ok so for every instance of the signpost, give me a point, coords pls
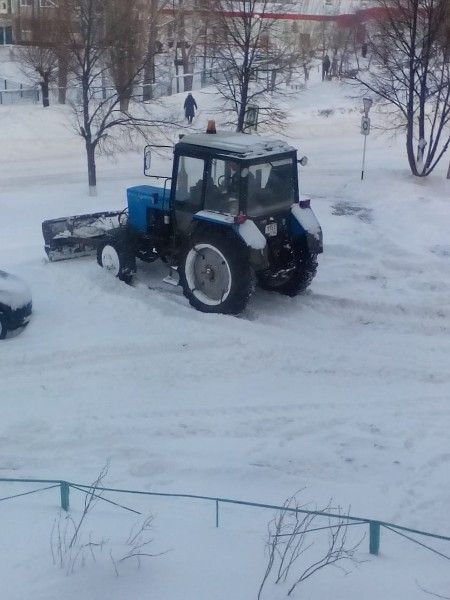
(365, 130)
(251, 117)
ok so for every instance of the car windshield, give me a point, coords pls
(270, 187)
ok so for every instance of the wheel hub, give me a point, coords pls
(208, 274)
(110, 260)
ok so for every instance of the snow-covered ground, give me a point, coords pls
(342, 392)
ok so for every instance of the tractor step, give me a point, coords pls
(173, 277)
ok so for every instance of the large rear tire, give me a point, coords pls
(298, 280)
(215, 272)
(116, 259)
(3, 326)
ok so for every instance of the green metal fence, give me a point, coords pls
(375, 526)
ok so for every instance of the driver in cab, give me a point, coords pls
(236, 176)
(232, 188)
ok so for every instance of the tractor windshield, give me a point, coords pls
(271, 187)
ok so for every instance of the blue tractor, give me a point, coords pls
(229, 215)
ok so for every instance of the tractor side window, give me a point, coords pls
(190, 181)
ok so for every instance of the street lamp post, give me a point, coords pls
(365, 129)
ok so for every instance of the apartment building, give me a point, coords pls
(24, 11)
(6, 36)
(294, 17)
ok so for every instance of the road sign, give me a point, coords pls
(365, 125)
(251, 117)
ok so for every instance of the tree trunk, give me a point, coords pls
(242, 109)
(244, 85)
(149, 77)
(92, 172)
(410, 147)
(45, 91)
(273, 79)
(87, 134)
(306, 72)
(411, 96)
(124, 102)
(187, 78)
(62, 80)
(149, 70)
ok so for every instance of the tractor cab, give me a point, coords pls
(232, 174)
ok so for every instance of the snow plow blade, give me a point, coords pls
(73, 237)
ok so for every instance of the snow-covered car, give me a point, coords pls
(15, 303)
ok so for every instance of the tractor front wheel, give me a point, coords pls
(116, 260)
(215, 272)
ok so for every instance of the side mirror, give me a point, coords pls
(147, 160)
(303, 161)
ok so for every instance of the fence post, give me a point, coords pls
(217, 513)
(374, 539)
(64, 488)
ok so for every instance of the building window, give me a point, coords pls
(48, 3)
(25, 35)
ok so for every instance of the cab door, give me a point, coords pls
(189, 192)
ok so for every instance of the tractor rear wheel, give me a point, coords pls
(295, 281)
(3, 326)
(215, 272)
(116, 259)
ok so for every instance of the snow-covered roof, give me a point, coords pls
(242, 144)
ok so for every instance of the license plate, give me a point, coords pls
(271, 229)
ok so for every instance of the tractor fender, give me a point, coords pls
(304, 223)
(247, 231)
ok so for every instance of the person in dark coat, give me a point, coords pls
(325, 67)
(190, 106)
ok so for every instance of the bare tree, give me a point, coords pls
(38, 58)
(306, 52)
(124, 35)
(291, 559)
(153, 16)
(40, 65)
(343, 43)
(101, 111)
(410, 74)
(248, 44)
(189, 27)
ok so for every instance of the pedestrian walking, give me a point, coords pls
(325, 67)
(190, 106)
